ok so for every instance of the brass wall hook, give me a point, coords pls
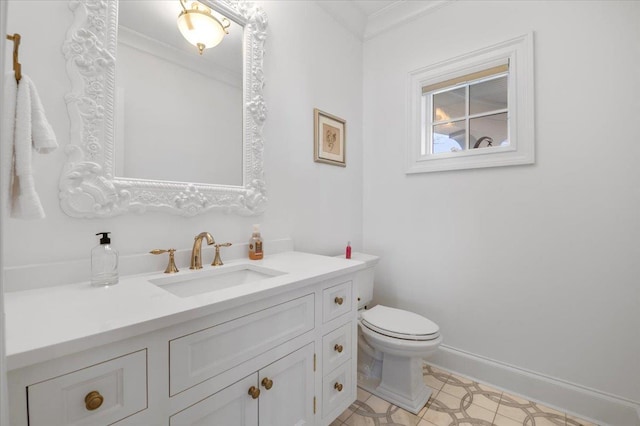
(17, 67)
(171, 266)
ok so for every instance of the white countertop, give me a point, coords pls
(46, 323)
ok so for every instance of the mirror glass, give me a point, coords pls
(178, 113)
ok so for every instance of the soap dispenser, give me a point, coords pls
(104, 262)
(255, 244)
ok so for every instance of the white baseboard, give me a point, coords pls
(583, 402)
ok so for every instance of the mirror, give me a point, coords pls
(168, 130)
(160, 78)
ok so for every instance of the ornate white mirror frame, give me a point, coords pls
(88, 186)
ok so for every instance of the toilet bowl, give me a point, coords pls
(402, 339)
(392, 344)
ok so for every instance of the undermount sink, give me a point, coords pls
(214, 279)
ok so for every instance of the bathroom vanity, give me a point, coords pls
(268, 343)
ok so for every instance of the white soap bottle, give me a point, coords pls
(104, 262)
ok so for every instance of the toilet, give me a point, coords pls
(392, 344)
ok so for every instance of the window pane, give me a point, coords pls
(491, 130)
(449, 105)
(488, 96)
(449, 137)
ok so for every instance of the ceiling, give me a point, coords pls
(368, 18)
(369, 7)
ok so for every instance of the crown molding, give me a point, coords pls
(347, 14)
(364, 28)
(398, 13)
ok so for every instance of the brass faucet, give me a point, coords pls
(217, 260)
(196, 252)
(171, 266)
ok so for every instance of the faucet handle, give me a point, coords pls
(171, 266)
(217, 261)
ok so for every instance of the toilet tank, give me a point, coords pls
(365, 277)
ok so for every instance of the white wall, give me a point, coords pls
(311, 61)
(532, 266)
(4, 416)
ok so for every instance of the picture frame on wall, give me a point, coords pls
(329, 138)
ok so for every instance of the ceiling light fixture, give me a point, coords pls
(200, 27)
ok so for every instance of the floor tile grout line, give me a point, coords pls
(434, 395)
(498, 408)
(495, 416)
(493, 421)
(349, 416)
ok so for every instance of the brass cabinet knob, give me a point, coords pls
(254, 392)
(338, 348)
(338, 300)
(267, 383)
(93, 400)
(338, 387)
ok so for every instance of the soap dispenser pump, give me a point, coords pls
(104, 262)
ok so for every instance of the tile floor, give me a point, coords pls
(455, 401)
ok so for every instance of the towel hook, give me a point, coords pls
(17, 67)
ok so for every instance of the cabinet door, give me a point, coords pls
(231, 406)
(289, 399)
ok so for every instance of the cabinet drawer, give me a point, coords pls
(121, 382)
(199, 356)
(336, 388)
(336, 347)
(336, 301)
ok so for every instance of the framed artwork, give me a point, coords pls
(329, 138)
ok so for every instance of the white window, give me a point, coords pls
(473, 111)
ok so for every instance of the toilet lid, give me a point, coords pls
(398, 323)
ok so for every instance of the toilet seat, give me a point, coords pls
(399, 324)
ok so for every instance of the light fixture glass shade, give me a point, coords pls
(200, 28)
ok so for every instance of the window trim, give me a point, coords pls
(518, 53)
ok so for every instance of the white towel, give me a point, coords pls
(29, 130)
(44, 139)
(6, 143)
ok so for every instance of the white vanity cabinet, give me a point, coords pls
(278, 358)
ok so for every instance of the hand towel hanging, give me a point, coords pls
(32, 131)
